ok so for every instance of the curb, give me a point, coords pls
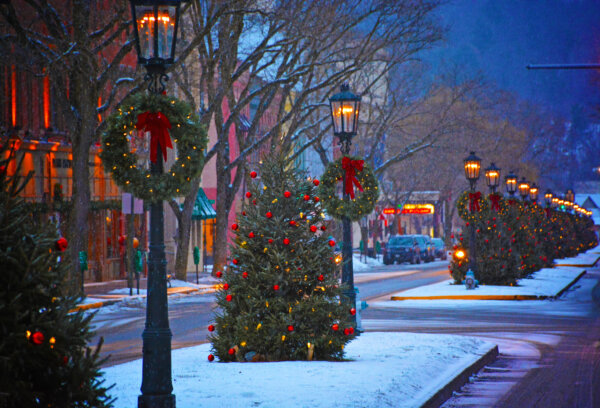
(461, 379)
(582, 265)
(493, 297)
(170, 291)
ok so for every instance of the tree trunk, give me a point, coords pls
(223, 208)
(184, 220)
(364, 237)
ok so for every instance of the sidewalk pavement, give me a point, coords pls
(99, 294)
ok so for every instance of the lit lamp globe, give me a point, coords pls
(523, 189)
(492, 177)
(511, 183)
(345, 107)
(155, 31)
(472, 166)
(533, 193)
(548, 197)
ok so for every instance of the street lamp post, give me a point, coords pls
(345, 107)
(492, 177)
(533, 193)
(569, 199)
(523, 189)
(548, 196)
(511, 183)
(472, 165)
(155, 24)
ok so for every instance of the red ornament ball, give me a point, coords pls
(286, 241)
(292, 222)
(306, 197)
(287, 194)
(37, 337)
(254, 202)
(234, 227)
(244, 213)
(235, 261)
(211, 328)
(231, 351)
(313, 228)
(331, 242)
(335, 327)
(251, 234)
(316, 182)
(317, 199)
(226, 286)
(353, 311)
(275, 287)
(248, 194)
(346, 331)
(121, 239)
(253, 174)
(211, 357)
(228, 298)
(321, 277)
(351, 330)
(244, 275)
(219, 274)
(270, 241)
(323, 227)
(269, 214)
(61, 244)
(290, 328)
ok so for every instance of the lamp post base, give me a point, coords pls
(156, 401)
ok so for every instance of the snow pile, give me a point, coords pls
(386, 369)
(360, 264)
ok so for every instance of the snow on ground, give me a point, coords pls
(545, 282)
(362, 263)
(385, 369)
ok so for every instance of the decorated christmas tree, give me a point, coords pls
(280, 298)
(44, 358)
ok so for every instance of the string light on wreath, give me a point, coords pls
(149, 113)
(363, 202)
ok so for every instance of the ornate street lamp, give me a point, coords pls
(345, 107)
(548, 198)
(155, 24)
(555, 201)
(523, 189)
(511, 183)
(492, 177)
(533, 193)
(570, 195)
(472, 165)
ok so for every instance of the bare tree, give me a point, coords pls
(273, 65)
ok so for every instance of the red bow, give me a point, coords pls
(474, 202)
(495, 200)
(512, 202)
(351, 167)
(548, 212)
(158, 125)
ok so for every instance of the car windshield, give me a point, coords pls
(400, 241)
(438, 242)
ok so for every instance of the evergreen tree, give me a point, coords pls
(44, 358)
(280, 297)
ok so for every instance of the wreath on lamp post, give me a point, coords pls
(354, 174)
(163, 119)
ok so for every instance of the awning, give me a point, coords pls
(203, 209)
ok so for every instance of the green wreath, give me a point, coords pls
(356, 208)
(463, 208)
(186, 132)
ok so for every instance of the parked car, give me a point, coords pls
(440, 249)
(407, 248)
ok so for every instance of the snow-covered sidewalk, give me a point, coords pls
(543, 284)
(385, 369)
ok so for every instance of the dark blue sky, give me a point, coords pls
(498, 38)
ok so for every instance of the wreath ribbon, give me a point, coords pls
(512, 202)
(474, 202)
(495, 200)
(158, 125)
(351, 167)
(548, 212)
